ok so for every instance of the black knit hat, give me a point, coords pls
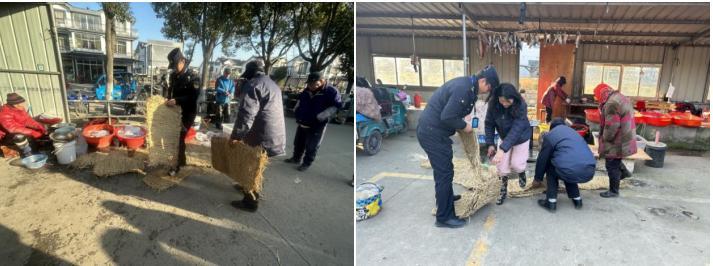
(314, 76)
(490, 74)
(14, 98)
(174, 56)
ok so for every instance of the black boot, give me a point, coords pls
(609, 194)
(577, 203)
(503, 191)
(292, 160)
(247, 204)
(303, 168)
(238, 187)
(550, 206)
(522, 179)
(451, 223)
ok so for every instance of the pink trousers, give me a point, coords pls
(515, 159)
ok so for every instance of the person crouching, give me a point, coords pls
(564, 156)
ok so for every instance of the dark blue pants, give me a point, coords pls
(440, 153)
(614, 171)
(553, 182)
(307, 141)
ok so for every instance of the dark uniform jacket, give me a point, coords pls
(261, 121)
(567, 151)
(448, 105)
(185, 88)
(311, 104)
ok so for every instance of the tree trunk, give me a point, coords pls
(109, 57)
(207, 55)
(350, 84)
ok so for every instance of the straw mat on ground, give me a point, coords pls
(243, 163)
(118, 161)
(480, 181)
(164, 129)
(198, 155)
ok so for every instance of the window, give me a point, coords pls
(432, 72)
(407, 75)
(120, 47)
(385, 69)
(86, 22)
(63, 42)
(635, 80)
(59, 17)
(453, 69)
(87, 41)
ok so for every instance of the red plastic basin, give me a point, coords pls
(686, 120)
(581, 129)
(592, 115)
(656, 119)
(132, 143)
(100, 142)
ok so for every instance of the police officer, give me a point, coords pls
(183, 91)
(315, 105)
(260, 120)
(443, 115)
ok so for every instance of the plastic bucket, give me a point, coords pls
(66, 152)
(640, 142)
(657, 151)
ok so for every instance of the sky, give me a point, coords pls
(148, 27)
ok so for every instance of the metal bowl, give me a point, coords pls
(34, 161)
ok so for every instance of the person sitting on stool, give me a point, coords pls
(17, 128)
(564, 156)
(315, 105)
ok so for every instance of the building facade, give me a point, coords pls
(83, 45)
(152, 56)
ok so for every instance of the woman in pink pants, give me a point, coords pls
(507, 113)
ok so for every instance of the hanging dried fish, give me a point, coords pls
(547, 39)
(576, 43)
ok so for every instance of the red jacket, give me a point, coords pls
(548, 99)
(16, 121)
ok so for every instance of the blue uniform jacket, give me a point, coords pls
(223, 85)
(568, 153)
(310, 104)
(448, 105)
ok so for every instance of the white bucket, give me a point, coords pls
(66, 152)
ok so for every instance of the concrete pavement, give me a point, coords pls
(662, 219)
(71, 217)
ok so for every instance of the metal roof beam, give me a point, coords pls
(457, 29)
(532, 19)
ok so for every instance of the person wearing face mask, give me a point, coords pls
(183, 91)
(507, 113)
(17, 128)
(260, 120)
(448, 110)
(315, 105)
(553, 92)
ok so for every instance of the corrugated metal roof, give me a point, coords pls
(652, 23)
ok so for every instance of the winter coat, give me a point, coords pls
(617, 138)
(548, 99)
(568, 153)
(224, 88)
(448, 105)
(513, 130)
(261, 121)
(16, 121)
(185, 88)
(312, 103)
